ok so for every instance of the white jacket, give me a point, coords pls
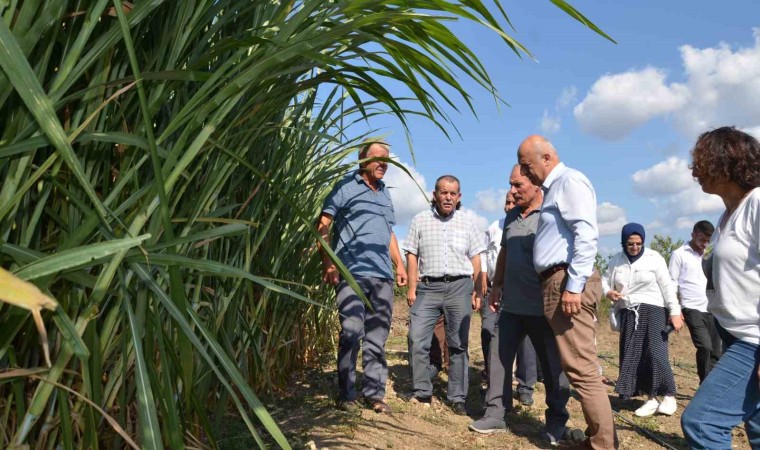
(645, 281)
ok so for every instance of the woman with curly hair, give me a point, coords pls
(726, 162)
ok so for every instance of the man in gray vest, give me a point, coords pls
(517, 288)
(361, 210)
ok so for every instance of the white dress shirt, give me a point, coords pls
(686, 270)
(567, 231)
(493, 246)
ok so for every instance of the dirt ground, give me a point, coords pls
(310, 420)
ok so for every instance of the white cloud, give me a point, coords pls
(550, 123)
(693, 201)
(685, 223)
(721, 87)
(654, 226)
(616, 104)
(672, 190)
(670, 186)
(490, 200)
(725, 86)
(567, 97)
(408, 200)
(610, 218)
(667, 177)
(481, 223)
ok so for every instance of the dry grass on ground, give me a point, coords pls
(310, 420)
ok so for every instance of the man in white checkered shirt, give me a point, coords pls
(443, 249)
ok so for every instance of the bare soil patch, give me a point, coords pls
(309, 418)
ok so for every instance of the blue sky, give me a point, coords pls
(625, 114)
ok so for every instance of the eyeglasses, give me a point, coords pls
(634, 244)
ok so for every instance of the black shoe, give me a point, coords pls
(459, 408)
(568, 438)
(524, 398)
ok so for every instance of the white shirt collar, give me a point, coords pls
(558, 170)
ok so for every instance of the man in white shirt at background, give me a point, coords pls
(686, 270)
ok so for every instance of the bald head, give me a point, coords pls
(537, 157)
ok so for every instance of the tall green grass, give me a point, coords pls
(210, 130)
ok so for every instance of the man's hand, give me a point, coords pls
(330, 274)
(494, 299)
(571, 303)
(476, 300)
(401, 276)
(483, 284)
(677, 322)
(411, 296)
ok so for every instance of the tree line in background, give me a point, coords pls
(162, 163)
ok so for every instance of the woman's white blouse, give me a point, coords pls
(736, 271)
(645, 281)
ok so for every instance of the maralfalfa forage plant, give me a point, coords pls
(162, 163)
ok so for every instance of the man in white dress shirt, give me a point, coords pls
(686, 270)
(564, 252)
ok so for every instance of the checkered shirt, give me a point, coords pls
(443, 245)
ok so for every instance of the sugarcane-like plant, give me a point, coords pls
(162, 164)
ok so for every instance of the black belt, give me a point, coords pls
(546, 274)
(445, 278)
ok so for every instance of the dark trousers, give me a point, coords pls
(487, 329)
(368, 328)
(453, 299)
(527, 367)
(511, 330)
(706, 339)
(528, 371)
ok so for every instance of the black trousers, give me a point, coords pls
(704, 335)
